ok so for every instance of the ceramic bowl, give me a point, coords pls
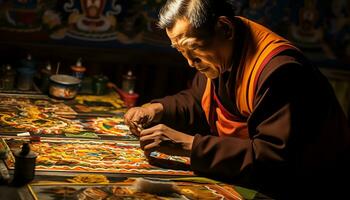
(64, 86)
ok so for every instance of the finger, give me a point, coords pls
(136, 116)
(143, 118)
(143, 143)
(146, 140)
(153, 129)
(127, 120)
(134, 130)
(140, 117)
(129, 116)
(132, 114)
(152, 146)
(152, 136)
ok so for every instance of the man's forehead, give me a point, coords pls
(181, 33)
(184, 41)
(181, 28)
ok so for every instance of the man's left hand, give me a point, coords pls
(166, 140)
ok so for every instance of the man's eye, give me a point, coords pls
(193, 48)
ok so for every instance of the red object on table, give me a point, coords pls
(130, 99)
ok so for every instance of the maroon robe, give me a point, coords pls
(298, 132)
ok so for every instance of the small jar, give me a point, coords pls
(78, 69)
(128, 84)
(8, 78)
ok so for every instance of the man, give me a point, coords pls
(258, 114)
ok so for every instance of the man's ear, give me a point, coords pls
(224, 27)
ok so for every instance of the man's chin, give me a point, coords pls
(211, 75)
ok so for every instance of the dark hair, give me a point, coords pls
(199, 12)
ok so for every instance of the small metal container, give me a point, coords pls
(63, 86)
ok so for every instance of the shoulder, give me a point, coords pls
(279, 62)
(294, 74)
(286, 65)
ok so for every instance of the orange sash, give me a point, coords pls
(260, 47)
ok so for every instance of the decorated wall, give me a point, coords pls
(114, 36)
(108, 22)
(308, 23)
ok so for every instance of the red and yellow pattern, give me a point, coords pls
(89, 156)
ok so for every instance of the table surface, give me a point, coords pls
(10, 192)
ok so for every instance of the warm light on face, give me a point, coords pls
(203, 54)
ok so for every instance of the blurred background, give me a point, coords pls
(118, 40)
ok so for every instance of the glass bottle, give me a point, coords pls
(9, 78)
(128, 84)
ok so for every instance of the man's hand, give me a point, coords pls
(137, 117)
(166, 140)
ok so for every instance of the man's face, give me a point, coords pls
(209, 55)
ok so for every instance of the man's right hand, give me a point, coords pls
(142, 116)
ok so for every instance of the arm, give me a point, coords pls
(183, 110)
